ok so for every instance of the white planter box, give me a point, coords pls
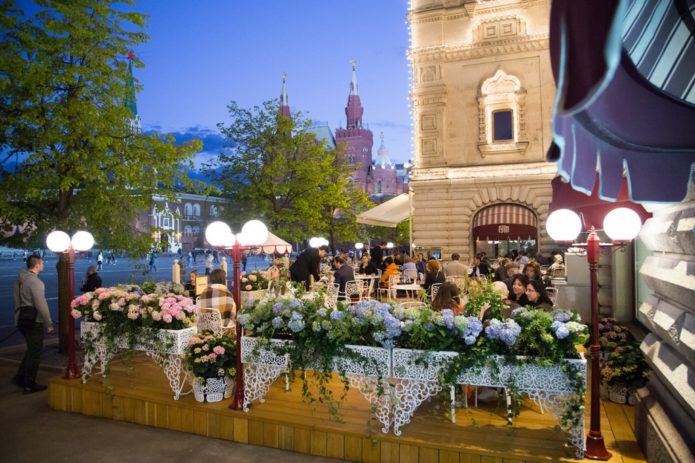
(213, 389)
(176, 341)
(419, 365)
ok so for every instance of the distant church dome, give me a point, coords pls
(382, 156)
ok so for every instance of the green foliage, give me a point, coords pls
(63, 85)
(278, 170)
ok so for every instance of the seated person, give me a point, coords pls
(391, 269)
(433, 274)
(190, 286)
(517, 295)
(502, 269)
(537, 296)
(217, 296)
(533, 271)
(367, 267)
(342, 275)
(448, 297)
(93, 280)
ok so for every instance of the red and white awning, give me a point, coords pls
(505, 222)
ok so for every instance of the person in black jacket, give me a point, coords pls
(307, 264)
(93, 280)
(367, 267)
(377, 254)
(342, 275)
(480, 266)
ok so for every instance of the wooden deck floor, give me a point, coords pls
(142, 396)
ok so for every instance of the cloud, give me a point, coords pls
(390, 125)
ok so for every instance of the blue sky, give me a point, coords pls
(204, 54)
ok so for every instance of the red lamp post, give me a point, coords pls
(253, 233)
(622, 225)
(59, 242)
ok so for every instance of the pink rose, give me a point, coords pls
(253, 277)
(167, 318)
(75, 314)
(249, 287)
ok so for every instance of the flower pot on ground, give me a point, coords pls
(211, 361)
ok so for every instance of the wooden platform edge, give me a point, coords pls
(218, 421)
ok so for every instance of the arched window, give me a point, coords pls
(196, 229)
(187, 229)
(196, 210)
(213, 211)
(188, 210)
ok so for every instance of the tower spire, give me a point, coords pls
(353, 83)
(284, 101)
(354, 109)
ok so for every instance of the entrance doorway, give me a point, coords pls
(501, 228)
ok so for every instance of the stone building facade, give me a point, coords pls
(482, 96)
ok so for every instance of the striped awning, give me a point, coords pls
(505, 222)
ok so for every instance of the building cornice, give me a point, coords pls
(493, 48)
(508, 172)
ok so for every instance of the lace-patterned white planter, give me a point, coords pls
(262, 366)
(172, 343)
(212, 389)
(549, 387)
(415, 379)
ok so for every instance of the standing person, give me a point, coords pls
(244, 260)
(377, 253)
(152, 262)
(455, 267)
(93, 280)
(307, 265)
(209, 259)
(29, 293)
(100, 260)
(189, 259)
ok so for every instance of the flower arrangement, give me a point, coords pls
(622, 362)
(210, 356)
(254, 281)
(163, 287)
(549, 335)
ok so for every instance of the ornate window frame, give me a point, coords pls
(502, 92)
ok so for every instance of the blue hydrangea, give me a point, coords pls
(562, 316)
(407, 325)
(562, 332)
(474, 328)
(277, 323)
(277, 307)
(244, 319)
(296, 325)
(296, 315)
(295, 304)
(517, 311)
(398, 312)
(393, 326)
(469, 340)
(321, 312)
(428, 326)
(556, 324)
(448, 316)
(506, 332)
(337, 315)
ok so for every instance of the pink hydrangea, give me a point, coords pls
(167, 318)
(75, 313)
(219, 350)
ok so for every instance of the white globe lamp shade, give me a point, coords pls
(254, 233)
(389, 245)
(323, 242)
(217, 234)
(563, 225)
(229, 240)
(622, 224)
(314, 242)
(359, 246)
(82, 241)
(58, 241)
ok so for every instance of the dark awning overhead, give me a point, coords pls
(610, 117)
(590, 207)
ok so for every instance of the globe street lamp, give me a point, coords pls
(358, 248)
(622, 225)
(59, 242)
(253, 233)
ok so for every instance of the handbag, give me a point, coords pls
(27, 317)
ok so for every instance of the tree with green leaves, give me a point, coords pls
(278, 171)
(70, 158)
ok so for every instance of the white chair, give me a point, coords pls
(332, 292)
(552, 293)
(434, 289)
(410, 276)
(210, 320)
(367, 293)
(354, 290)
(390, 292)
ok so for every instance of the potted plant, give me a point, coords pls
(211, 360)
(624, 371)
(253, 286)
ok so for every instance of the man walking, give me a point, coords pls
(29, 296)
(100, 260)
